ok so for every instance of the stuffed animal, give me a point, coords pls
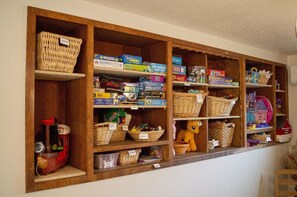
(188, 135)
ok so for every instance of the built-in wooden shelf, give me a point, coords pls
(123, 73)
(132, 107)
(182, 83)
(57, 76)
(64, 172)
(256, 85)
(222, 117)
(222, 86)
(127, 144)
(260, 130)
(197, 118)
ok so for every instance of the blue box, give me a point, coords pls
(156, 67)
(177, 60)
(178, 69)
(105, 101)
(157, 102)
(130, 59)
(151, 86)
(106, 57)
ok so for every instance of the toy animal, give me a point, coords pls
(189, 134)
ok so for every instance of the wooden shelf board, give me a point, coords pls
(181, 83)
(199, 156)
(280, 114)
(132, 107)
(64, 172)
(222, 86)
(197, 118)
(57, 76)
(260, 130)
(223, 117)
(127, 144)
(124, 73)
(256, 85)
(280, 91)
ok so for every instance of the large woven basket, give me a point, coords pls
(187, 105)
(223, 132)
(102, 134)
(127, 157)
(57, 52)
(118, 135)
(218, 106)
(146, 136)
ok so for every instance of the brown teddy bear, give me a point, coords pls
(188, 135)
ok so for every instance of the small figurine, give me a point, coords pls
(189, 134)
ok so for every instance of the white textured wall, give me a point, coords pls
(245, 175)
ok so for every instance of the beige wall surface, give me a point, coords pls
(241, 175)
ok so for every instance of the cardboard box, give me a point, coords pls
(136, 67)
(178, 69)
(157, 102)
(216, 73)
(105, 101)
(130, 59)
(156, 67)
(108, 64)
(176, 77)
(106, 57)
(177, 60)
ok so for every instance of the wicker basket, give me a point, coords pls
(146, 136)
(186, 105)
(127, 157)
(264, 78)
(54, 56)
(180, 147)
(218, 106)
(102, 134)
(118, 135)
(223, 132)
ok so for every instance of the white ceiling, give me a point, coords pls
(265, 24)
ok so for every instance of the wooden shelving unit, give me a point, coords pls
(69, 97)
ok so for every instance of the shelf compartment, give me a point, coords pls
(260, 130)
(64, 172)
(222, 86)
(197, 118)
(132, 107)
(187, 84)
(127, 144)
(124, 73)
(222, 117)
(256, 85)
(57, 76)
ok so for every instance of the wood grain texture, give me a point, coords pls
(72, 102)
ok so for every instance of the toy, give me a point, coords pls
(188, 134)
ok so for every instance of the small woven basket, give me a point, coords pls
(180, 147)
(102, 134)
(218, 106)
(264, 78)
(187, 105)
(57, 52)
(223, 132)
(146, 136)
(127, 157)
(118, 135)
